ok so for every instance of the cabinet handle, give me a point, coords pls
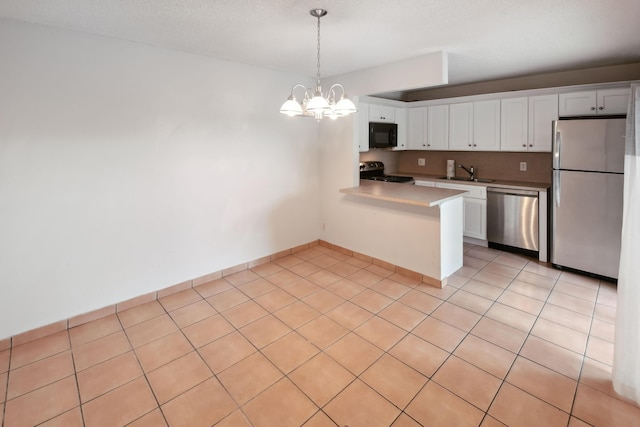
(593, 108)
(469, 145)
(524, 145)
(530, 145)
(601, 108)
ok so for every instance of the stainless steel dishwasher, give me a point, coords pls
(512, 219)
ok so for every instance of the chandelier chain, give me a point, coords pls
(318, 56)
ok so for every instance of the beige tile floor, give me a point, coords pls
(322, 339)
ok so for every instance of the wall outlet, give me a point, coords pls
(421, 162)
(523, 166)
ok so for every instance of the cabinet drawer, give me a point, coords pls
(474, 191)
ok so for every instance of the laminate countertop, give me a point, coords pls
(520, 185)
(403, 193)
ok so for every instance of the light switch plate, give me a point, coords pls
(421, 162)
(523, 166)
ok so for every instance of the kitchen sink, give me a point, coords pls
(460, 178)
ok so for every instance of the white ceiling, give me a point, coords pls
(484, 39)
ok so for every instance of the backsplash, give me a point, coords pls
(490, 165)
(388, 157)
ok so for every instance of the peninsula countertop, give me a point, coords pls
(403, 193)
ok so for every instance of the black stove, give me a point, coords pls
(374, 171)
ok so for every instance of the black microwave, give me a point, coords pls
(383, 135)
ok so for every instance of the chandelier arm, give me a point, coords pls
(308, 93)
(331, 94)
(297, 86)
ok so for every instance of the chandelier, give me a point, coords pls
(314, 103)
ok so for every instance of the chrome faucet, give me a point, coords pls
(471, 171)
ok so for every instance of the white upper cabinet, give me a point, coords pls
(381, 113)
(513, 124)
(577, 103)
(613, 101)
(543, 110)
(428, 128)
(486, 125)
(416, 133)
(526, 123)
(486, 122)
(400, 115)
(363, 127)
(437, 131)
(475, 126)
(589, 103)
(461, 126)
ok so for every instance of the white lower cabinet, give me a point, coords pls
(474, 209)
(425, 183)
(475, 218)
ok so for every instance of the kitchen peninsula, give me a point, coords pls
(416, 228)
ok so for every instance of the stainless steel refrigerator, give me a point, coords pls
(586, 208)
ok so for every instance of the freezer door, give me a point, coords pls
(587, 221)
(589, 145)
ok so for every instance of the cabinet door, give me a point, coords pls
(613, 101)
(461, 126)
(543, 110)
(475, 209)
(416, 129)
(400, 115)
(475, 218)
(486, 125)
(381, 113)
(513, 124)
(363, 127)
(577, 104)
(437, 134)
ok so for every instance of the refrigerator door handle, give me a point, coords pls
(556, 187)
(557, 140)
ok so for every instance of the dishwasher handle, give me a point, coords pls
(513, 191)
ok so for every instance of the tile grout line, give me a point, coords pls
(578, 382)
(6, 394)
(504, 380)
(394, 300)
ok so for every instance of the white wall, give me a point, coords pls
(126, 168)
